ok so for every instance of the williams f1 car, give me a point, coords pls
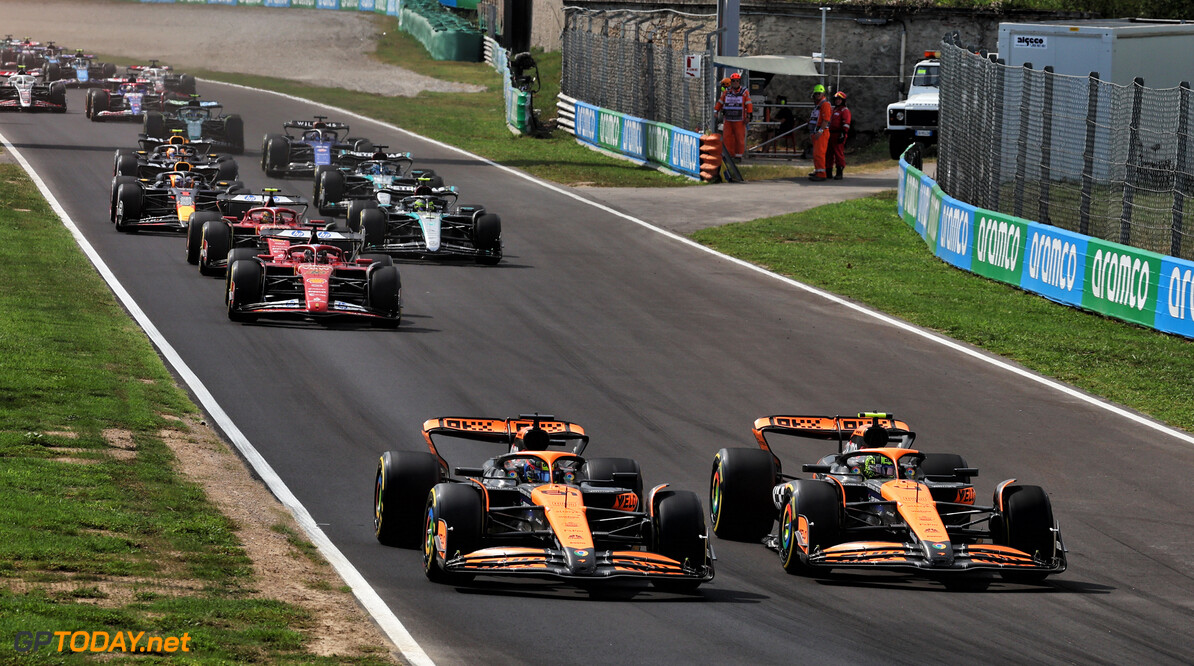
(428, 224)
(540, 509)
(315, 282)
(200, 121)
(879, 504)
(317, 143)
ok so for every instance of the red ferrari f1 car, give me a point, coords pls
(540, 509)
(880, 504)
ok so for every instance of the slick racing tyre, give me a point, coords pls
(1026, 525)
(216, 241)
(275, 155)
(373, 224)
(679, 533)
(487, 236)
(243, 288)
(58, 96)
(234, 133)
(403, 480)
(186, 84)
(811, 518)
(227, 170)
(941, 466)
(195, 233)
(602, 471)
(129, 199)
(116, 183)
(740, 504)
(385, 295)
(329, 189)
(355, 208)
(109, 70)
(154, 125)
(452, 526)
(378, 258)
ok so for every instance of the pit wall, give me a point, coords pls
(443, 34)
(1115, 280)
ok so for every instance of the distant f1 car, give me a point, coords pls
(315, 282)
(167, 157)
(200, 121)
(163, 78)
(427, 224)
(166, 202)
(23, 92)
(246, 227)
(318, 143)
(879, 504)
(376, 175)
(123, 99)
(81, 70)
(540, 509)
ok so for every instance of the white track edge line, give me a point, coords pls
(928, 335)
(365, 593)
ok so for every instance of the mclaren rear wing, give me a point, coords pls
(504, 431)
(831, 428)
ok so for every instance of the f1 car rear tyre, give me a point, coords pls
(275, 155)
(355, 207)
(52, 72)
(109, 70)
(1027, 525)
(434, 180)
(155, 125)
(942, 465)
(816, 505)
(679, 533)
(227, 170)
(740, 505)
(116, 183)
(129, 198)
(378, 258)
(403, 481)
(373, 224)
(126, 165)
(329, 189)
(385, 294)
(234, 131)
(602, 470)
(235, 187)
(99, 100)
(216, 241)
(186, 84)
(243, 287)
(458, 506)
(58, 96)
(362, 145)
(195, 233)
(487, 236)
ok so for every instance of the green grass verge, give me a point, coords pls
(862, 250)
(76, 513)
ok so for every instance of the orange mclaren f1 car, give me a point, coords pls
(540, 509)
(880, 504)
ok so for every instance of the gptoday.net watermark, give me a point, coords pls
(99, 641)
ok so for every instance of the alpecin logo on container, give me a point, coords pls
(1054, 264)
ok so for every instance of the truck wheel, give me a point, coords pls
(403, 480)
(897, 143)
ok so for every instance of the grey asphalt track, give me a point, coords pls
(666, 354)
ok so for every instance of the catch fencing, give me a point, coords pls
(654, 65)
(1108, 161)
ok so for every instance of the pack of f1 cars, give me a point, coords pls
(314, 281)
(23, 91)
(165, 202)
(215, 240)
(539, 509)
(376, 175)
(317, 143)
(428, 224)
(200, 120)
(879, 504)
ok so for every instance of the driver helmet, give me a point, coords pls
(375, 168)
(535, 470)
(303, 256)
(311, 135)
(421, 204)
(267, 217)
(877, 467)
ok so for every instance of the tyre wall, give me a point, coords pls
(1115, 280)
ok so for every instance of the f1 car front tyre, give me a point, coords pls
(811, 521)
(355, 208)
(195, 233)
(155, 125)
(216, 241)
(740, 505)
(329, 189)
(129, 198)
(487, 236)
(116, 183)
(385, 295)
(678, 522)
(372, 222)
(1027, 525)
(402, 483)
(452, 526)
(243, 287)
(234, 132)
(275, 155)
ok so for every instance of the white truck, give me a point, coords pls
(914, 120)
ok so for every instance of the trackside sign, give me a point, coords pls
(1115, 280)
(640, 140)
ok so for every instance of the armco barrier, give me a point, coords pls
(1115, 280)
(637, 140)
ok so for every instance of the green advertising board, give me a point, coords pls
(609, 130)
(998, 246)
(659, 142)
(1121, 281)
(911, 189)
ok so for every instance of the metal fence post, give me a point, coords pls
(1133, 165)
(1088, 153)
(1046, 166)
(687, 98)
(995, 155)
(710, 49)
(1022, 141)
(1179, 192)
